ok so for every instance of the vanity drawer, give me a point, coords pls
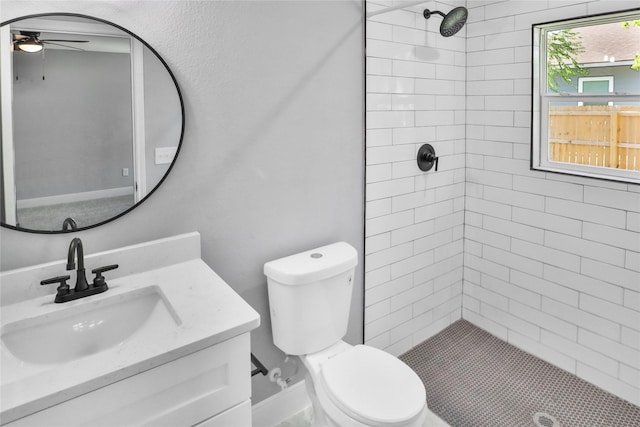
(183, 392)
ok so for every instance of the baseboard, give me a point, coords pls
(73, 197)
(277, 408)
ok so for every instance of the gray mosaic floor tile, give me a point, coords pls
(474, 379)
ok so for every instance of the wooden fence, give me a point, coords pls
(605, 136)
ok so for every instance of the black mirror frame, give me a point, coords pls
(175, 82)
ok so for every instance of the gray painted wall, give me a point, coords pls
(162, 115)
(272, 161)
(61, 123)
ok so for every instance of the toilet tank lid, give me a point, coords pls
(313, 265)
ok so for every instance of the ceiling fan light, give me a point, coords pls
(30, 46)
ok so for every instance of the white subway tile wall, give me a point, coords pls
(414, 227)
(552, 261)
(547, 262)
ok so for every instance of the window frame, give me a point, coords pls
(540, 100)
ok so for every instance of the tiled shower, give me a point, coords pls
(414, 221)
(549, 263)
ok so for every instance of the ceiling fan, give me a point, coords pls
(29, 41)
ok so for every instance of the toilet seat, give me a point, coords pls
(373, 387)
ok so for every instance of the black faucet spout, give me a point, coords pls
(76, 248)
(82, 288)
(69, 224)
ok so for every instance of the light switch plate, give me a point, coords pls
(165, 155)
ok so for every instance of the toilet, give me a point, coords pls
(309, 300)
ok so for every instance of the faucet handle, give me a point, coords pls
(63, 288)
(99, 279)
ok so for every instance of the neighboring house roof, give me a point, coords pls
(606, 41)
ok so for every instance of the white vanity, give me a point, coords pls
(167, 344)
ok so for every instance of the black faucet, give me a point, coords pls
(76, 247)
(82, 288)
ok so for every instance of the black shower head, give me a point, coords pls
(452, 22)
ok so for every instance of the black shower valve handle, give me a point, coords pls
(427, 158)
(436, 159)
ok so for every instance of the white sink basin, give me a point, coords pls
(88, 327)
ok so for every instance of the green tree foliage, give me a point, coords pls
(563, 46)
(636, 60)
(629, 24)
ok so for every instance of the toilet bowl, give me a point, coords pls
(309, 302)
(363, 386)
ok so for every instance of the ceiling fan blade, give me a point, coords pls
(63, 45)
(64, 41)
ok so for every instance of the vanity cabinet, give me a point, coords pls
(167, 344)
(208, 388)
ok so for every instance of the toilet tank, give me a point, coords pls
(310, 297)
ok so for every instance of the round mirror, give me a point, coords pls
(92, 122)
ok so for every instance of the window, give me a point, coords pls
(595, 85)
(586, 96)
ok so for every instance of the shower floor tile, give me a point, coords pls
(475, 379)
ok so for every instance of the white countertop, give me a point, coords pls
(207, 311)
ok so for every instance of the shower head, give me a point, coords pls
(452, 22)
